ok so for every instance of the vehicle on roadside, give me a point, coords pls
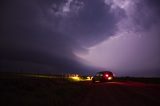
(103, 76)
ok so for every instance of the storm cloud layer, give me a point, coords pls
(134, 48)
(47, 32)
(78, 35)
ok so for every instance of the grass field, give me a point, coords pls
(47, 90)
(39, 90)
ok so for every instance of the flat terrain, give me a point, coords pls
(122, 94)
(21, 90)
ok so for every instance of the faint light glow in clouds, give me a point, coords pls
(118, 3)
(130, 49)
(97, 53)
(66, 7)
(114, 34)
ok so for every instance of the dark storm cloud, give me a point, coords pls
(92, 24)
(148, 14)
(133, 49)
(49, 31)
(145, 56)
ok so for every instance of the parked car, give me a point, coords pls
(103, 76)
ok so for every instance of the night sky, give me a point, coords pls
(80, 36)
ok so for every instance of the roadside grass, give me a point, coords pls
(23, 90)
(48, 90)
(138, 79)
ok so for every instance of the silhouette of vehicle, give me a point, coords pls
(103, 76)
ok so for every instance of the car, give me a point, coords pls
(103, 76)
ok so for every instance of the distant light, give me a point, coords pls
(76, 78)
(89, 78)
(110, 78)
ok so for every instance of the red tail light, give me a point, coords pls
(106, 75)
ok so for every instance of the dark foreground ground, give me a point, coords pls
(21, 90)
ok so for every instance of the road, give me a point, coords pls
(122, 94)
(48, 91)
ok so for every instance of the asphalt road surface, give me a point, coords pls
(122, 94)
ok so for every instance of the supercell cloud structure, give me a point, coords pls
(134, 48)
(80, 36)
